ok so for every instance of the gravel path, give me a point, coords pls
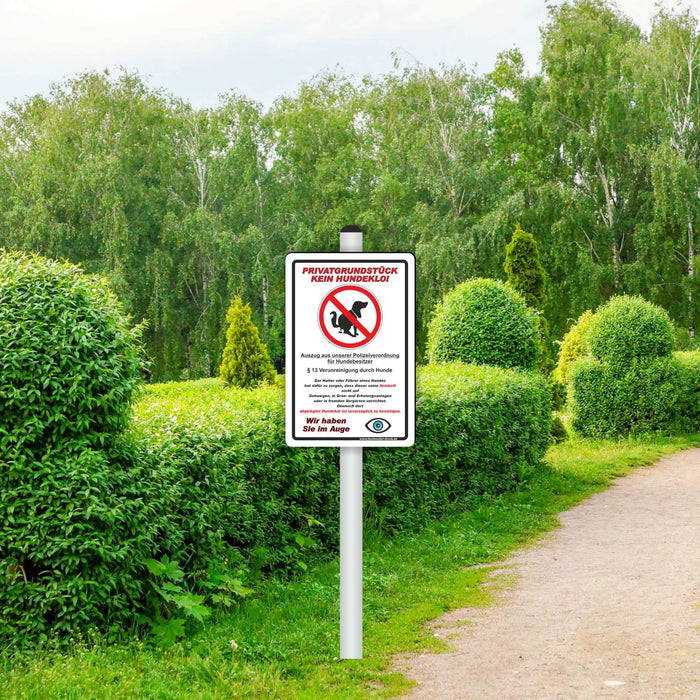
(606, 606)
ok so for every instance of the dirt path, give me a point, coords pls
(606, 606)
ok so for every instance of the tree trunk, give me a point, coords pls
(265, 291)
(691, 254)
(610, 221)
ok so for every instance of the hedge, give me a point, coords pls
(629, 328)
(72, 516)
(69, 359)
(688, 407)
(652, 395)
(203, 475)
(477, 429)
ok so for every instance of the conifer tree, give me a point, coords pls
(524, 269)
(246, 361)
(527, 276)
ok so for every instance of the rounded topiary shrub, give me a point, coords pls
(69, 359)
(484, 322)
(73, 523)
(630, 328)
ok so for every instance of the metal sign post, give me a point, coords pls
(350, 520)
(350, 381)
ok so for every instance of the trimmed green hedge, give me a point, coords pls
(630, 383)
(69, 359)
(477, 429)
(659, 394)
(203, 475)
(688, 407)
(72, 516)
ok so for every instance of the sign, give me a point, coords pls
(350, 349)
(362, 304)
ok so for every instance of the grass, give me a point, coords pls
(288, 633)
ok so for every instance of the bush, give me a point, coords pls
(573, 347)
(484, 322)
(610, 401)
(478, 428)
(630, 328)
(75, 525)
(70, 361)
(246, 362)
(631, 383)
(227, 480)
(688, 408)
(72, 516)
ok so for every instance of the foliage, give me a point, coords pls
(72, 518)
(688, 408)
(287, 634)
(277, 504)
(500, 426)
(246, 361)
(573, 347)
(627, 329)
(660, 394)
(73, 524)
(630, 383)
(612, 400)
(484, 322)
(170, 604)
(524, 270)
(70, 361)
(526, 275)
(558, 432)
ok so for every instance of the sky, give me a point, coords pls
(199, 49)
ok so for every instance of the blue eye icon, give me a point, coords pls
(378, 425)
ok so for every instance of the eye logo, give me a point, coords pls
(378, 425)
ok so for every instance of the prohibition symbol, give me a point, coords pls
(350, 316)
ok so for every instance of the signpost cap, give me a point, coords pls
(351, 229)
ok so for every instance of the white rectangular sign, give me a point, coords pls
(350, 349)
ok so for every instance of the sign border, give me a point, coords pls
(408, 438)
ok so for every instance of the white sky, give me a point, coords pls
(198, 49)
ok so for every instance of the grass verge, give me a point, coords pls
(288, 633)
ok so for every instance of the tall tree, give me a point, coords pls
(584, 50)
(430, 159)
(668, 85)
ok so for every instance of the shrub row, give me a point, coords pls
(71, 499)
(477, 428)
(658, 394)
(203, 474)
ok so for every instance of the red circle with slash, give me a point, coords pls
(346, 320)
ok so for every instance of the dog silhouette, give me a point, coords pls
(344, 323)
